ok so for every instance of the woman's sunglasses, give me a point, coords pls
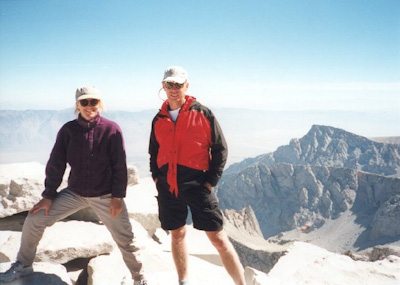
(173, 85)
(92, 102)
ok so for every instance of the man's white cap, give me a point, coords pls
(175, 74)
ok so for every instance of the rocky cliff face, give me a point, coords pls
(328, 146)
(245, 234)
(287, 196)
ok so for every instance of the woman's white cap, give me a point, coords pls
(86, 92)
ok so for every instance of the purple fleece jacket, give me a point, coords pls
(96, 153)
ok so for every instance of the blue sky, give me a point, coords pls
(273, 55)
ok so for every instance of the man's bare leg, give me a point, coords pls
(180, 252)
(228, 255)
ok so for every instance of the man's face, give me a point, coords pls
(175, 92)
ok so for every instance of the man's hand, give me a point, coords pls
(44, 204)
(115, 207)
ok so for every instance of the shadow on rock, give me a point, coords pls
(211, 258)
(38, 278)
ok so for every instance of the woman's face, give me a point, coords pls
(89, 108)
(175, 93)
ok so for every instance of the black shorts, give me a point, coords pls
(203, 204)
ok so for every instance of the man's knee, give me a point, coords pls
(38, 220)
(219, 240)
(178, 234)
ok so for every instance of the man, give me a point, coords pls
(188, 152)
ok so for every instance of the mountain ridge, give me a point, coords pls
(325, 145)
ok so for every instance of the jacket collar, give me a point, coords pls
(184, 107)
(88, 124)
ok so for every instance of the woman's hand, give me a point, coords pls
(44, 204)
(116, 206)
(208, 186)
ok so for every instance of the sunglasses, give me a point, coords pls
(173, 85)
(92, 102)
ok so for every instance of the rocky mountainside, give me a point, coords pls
(320, 196)
(286, 196)
(329, 146)
(326, 179)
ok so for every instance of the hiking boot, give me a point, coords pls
(16, 270)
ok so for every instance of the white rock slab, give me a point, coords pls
(9, 245)
(142, 204)
(19, 195)
(159, 269)
(140, 198)
(256, 277)
(309, 264)
(65, 241)
(21, 186)
(107, 269)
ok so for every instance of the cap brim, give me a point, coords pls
(179, 80)
(88, 96)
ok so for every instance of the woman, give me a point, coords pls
(93, 146)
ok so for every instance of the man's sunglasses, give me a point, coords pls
(92, 102)
(173, 85)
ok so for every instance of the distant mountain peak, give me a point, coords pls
(330, 146)
(322, 130)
